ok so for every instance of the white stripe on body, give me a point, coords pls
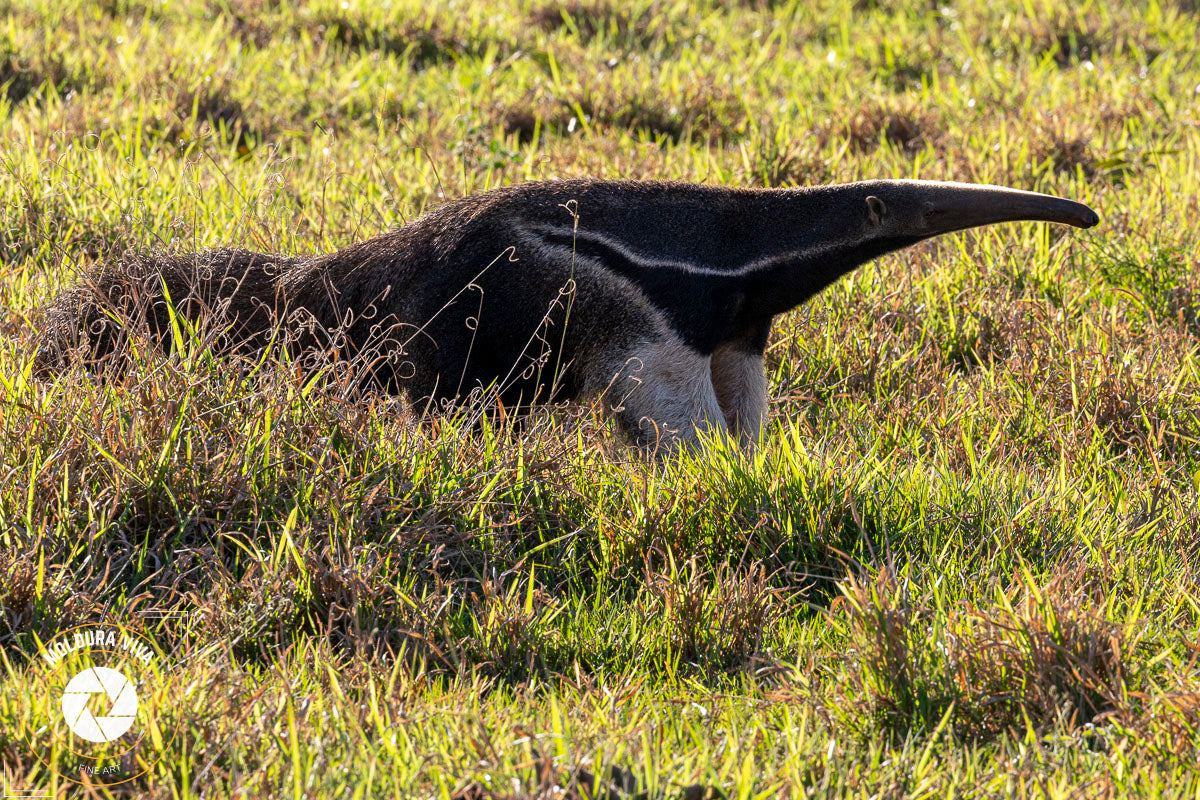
(681, 266)
(660, 390)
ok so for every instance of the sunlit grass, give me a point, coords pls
(961, 563)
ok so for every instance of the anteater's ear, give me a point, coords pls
(875, 209)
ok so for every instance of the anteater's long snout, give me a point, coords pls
(948, 207)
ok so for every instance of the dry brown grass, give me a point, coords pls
(1045, 656)
(722, 619)
(907, 129)
(616, 22)
(615, 101)
(421, 39)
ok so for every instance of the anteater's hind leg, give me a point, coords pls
(741, 387)
(662, 396)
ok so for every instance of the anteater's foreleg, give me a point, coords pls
(741, 388)
(663, 397)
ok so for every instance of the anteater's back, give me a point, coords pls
(358, 304)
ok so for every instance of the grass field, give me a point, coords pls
(963, 564)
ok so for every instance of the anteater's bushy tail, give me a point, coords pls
(238, 291)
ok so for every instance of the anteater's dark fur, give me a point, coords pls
(441, 308)
(563, 289)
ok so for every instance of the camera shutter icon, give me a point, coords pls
(122, 704)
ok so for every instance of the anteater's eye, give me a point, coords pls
(875, 209)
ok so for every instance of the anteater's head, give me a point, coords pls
(905, 211)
